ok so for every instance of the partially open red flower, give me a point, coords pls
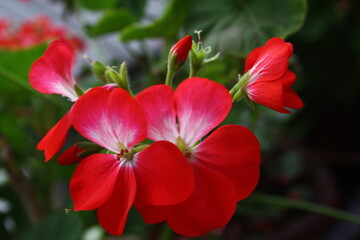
(158, 175)
(269, 79)
(182, 48)
(225, 164)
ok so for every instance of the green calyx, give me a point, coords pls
(99, 70)
(120, 78)
(199, 56)
(238, 92)
(78, 90)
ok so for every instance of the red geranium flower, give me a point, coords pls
(269, 79)
(52, 74)
(225, 164)
(158, 175)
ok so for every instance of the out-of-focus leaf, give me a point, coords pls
(166, 26)
(236, 27)
(58, 227)
(12, 129)
(98, 4)
(136, 6)
(19, 61)
(112, 20)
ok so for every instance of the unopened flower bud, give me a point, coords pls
(99, 70)
(177, 56)
(181, 49)
(120, 78)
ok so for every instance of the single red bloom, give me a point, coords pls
(182, 48)
(225, 164)
(269, 78)
(158, 175)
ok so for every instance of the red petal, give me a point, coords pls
(291, 99)
(70, 156)
(126, 117)
(90, 118)
(269, 94)
(52, 73)
(158, 105)
(233, 151)
(288, 79)
(113, 214)
(52, 142)
(201, 105)
(251, 58)
(154, 214)
(210, 206)
(109, 117)
(93, 181)
(163, 174)
(272, 62)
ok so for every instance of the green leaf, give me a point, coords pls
(111, 21)
(236, 27)
(20, 61)
(97, 4)
(166, 26)
(136, 6)
(58, 227)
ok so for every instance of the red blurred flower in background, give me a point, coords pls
(225, 164)
(33, 32)
(268, 79)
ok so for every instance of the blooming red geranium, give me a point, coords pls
(52, 74)
(225, 164)
(268, 79)
(158, 175)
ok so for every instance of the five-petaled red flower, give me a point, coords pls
(158, 175)
(225, 164)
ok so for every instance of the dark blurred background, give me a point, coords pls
(312, 154)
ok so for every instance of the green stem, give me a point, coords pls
(239, 85)
(193, 71)
(169, 77)
(304, 205)
(20, 82)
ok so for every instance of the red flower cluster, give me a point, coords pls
(190, 182)
(33, 32)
